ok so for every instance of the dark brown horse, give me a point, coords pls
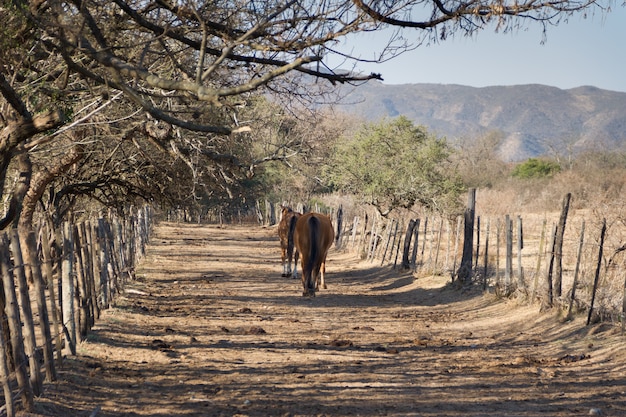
(313, 237)
(286, 228)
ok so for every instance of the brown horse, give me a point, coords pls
(286, 227)
(313, 237)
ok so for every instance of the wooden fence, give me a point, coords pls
(78, 271)
(541, 258)
(563, 259)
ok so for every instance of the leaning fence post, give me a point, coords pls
(4, 375)
(550, 295)
(68, 292)
(597, 276)
(29, 251)
(47, 270)
(30, 342)
(576, 269)
(558, 245)
(15, 326)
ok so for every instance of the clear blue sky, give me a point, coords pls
(589, 51)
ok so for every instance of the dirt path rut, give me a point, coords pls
(210, 328)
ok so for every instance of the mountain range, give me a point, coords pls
(533, 120)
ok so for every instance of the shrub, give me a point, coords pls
(536, 168)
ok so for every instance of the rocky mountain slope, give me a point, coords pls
(533, 119)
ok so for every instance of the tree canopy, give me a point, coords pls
(128, 91)
(535, 168)
(395, 164)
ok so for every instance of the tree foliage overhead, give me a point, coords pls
(110, 83)
(395, 164)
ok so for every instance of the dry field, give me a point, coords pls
(210, 328)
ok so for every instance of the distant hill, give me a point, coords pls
(534, 119)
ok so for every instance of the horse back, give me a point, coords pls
(313, 237)
(286, 225)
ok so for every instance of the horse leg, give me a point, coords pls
(317, 281)
(296, 255)
(309, 290)
(322, 274)
(284, 258)
(290, 256)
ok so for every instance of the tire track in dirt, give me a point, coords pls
(210, 328)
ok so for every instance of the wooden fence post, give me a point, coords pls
(498, 227)
(508, 269)
(465, 270)
(29, 251)
(30, 342)
(477, 243)
(456, 247)
(15, 326)
(98, 293)
(4, 374)
(597, 276)
(68, 291)
(407, 244)
(91, 298)
(486, 256)
(520, 246)
(576, 269)
(339, 225)
(424, 234)
(372, 242)
(416, 232)
(549, 302)
(398, 243)
(558, 245)
(438, 246)
(392, 231)
(47, 271)
(539, 257)
(81, 281)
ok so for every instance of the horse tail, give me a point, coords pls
(314, 234)
(292, 228)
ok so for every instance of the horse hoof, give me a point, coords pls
(308, 293)
(284, 275)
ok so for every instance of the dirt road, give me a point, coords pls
(210, 328)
